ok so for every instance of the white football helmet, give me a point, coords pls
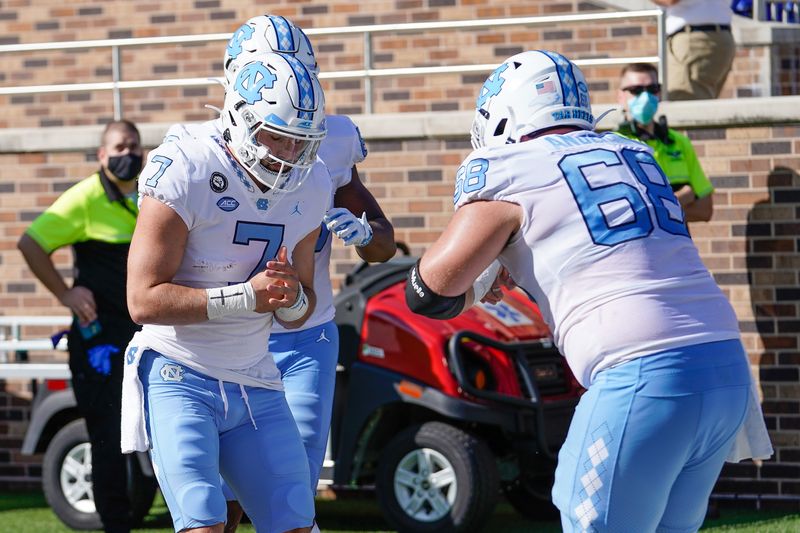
(273, 120)
(267, 33)
(529, 92)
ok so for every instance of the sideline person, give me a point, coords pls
(96, 217)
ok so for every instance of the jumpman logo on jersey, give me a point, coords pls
(322, 337)
(296, 209)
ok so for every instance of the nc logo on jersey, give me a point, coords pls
(227, 204)
(131, 354)
(171, 372)
(262, 204)
(250, 81)
(242, 34)
(218, 182)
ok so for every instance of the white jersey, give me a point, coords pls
(697, 12)
(342, 149)
(211, 128)
(234, 230)
(602, 249)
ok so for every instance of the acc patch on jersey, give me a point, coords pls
(218, 182)
(227, 204)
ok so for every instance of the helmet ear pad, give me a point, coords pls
(500, 128)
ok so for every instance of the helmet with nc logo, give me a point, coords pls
(273, 120)
(527, 93)
(267, 33)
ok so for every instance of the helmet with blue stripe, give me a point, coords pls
(530, 92)
(267, 33)
(273, 119)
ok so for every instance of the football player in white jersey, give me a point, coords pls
(225, 247)
(588, 226)
(306, 356)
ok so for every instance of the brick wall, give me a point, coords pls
(751, 244)
(52, 21)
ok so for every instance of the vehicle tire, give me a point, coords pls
(435, 477)
(67, 480)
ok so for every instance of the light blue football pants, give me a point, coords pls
(649, 439)
(200, 428)
(307, 361)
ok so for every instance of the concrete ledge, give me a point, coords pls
(695, 114)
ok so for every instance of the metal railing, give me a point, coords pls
(776, 11)
(12, 345)
(367, 73)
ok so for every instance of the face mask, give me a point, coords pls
(125, 167)
(643, 107)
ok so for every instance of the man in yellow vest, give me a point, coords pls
(638, 95)
(96, 218)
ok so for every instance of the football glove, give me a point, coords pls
(344, 224)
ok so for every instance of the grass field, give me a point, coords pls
(28, 513)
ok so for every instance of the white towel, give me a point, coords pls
(752, 441)
(134, 434)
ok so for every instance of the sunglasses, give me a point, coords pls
(636, 90)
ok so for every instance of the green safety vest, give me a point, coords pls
(674, 153)
(97, 220)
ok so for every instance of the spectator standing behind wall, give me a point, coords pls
(638, 95)
(96, 217)
(700, 47)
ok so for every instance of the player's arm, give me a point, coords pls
(156, 251)
(157, 248)
(441, 284)
(356, 198)
(302, 277)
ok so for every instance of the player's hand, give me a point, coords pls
(345, 225)
(495, 294)
(81, 301)
(278, 285)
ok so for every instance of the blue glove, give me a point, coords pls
(100, 358)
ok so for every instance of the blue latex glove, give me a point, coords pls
(100, 358)
(55, 339)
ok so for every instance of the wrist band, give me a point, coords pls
(231, 300)
(296, 310)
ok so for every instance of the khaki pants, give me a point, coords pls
(698, 63)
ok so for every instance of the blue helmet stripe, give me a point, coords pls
(284, 33)
(305, 87)
(569, 85)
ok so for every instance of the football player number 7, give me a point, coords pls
(592, 200)
(272, 234)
